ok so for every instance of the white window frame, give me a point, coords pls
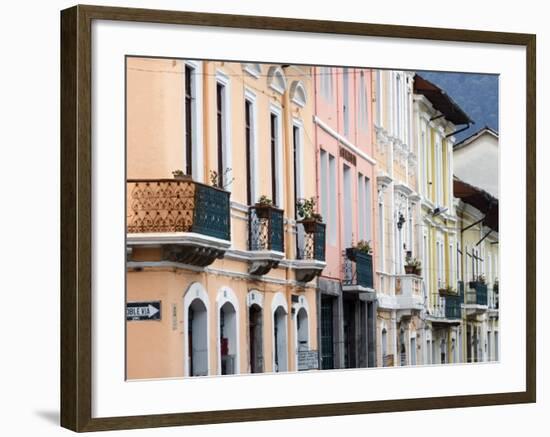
(227, 295)
(278, 112)
(254, 189)
(332, 198)
(197, 118)
(223, 79)
(300, 165)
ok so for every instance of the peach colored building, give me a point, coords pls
(235, 280)
(344, 140)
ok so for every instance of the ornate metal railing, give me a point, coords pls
(477, 295)
(177, 205)
(358, 268)
(265, 229)
(452, 306)
(311, 245)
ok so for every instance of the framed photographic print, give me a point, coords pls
(267, 218)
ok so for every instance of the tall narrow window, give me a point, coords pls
(188, 120)
(332, 198)
(348, 231)
(345, 100)
(361, 207)
(323, 170)
(398, 106)
(381, 235)
(368, 209)
(326, 82)
(220, 129)
(274, 158)
(363, 112)
(248, 143)
(379, 97)
(297, 164)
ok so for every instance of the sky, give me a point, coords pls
(476, 94)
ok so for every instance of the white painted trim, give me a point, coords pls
(255, 297)
(302, 304)
(197, 141)
(223, 78)
(275, 73)
(297, 88)
(300, 165)
(278, 300)
(353, 148)
(195, 291)
(159, 238)
(254, 70)
(278, 112)
(255, 192)
(226, 294)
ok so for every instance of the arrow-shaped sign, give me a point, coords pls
(143, 311)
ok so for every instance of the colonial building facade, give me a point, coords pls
(292, 218)
(217, 157)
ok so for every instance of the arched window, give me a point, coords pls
(254, 70)
(280, 338)
(384, 346)
(255, 331)
(195, 322)
(276, 79)
(298, 93)
(228, 332)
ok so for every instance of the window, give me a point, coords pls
(360, 207)
(326, 82)
(220, 95)
(368, 208)
(398, 106)
(188, 120)
(439, 173)
(345, 100)
(381, 233)
(275, 127)
(332, 198)
(248, 144)
(424, 152)
(347, 210)
(379, 97)
(297, 162)
(363, 112)
(323, 170)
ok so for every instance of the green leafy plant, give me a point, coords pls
(481, 279)
(306, 209)
(215, 178)
(363, 246)
(264, 201)
(180, 174)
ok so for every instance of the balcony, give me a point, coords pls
(189, 220)
(266, 241)
(358, 271)
(408, 292)
(476, 294)
(310, 250)
(446, 308)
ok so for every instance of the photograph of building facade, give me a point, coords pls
(293, 218)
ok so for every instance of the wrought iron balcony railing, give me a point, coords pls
(477, 295)
(177, 205)
(266, 228)
(311, 245)
(358, 268)
(453, 306)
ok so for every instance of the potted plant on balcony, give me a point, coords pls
(263, 206)
(480, 279)
(362, 247)
(179, 174)
(447, 290)
(413, 266)
(306, 210)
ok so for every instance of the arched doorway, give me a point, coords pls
(197, 338)
(255, 324)
(302, 330)
(384, 342)
(228, 339)
(280, 359)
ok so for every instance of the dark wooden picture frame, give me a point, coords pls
(76, 218)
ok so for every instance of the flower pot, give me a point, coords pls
(262, 210)
(417, 272)
(309, 225)
(409, 270)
